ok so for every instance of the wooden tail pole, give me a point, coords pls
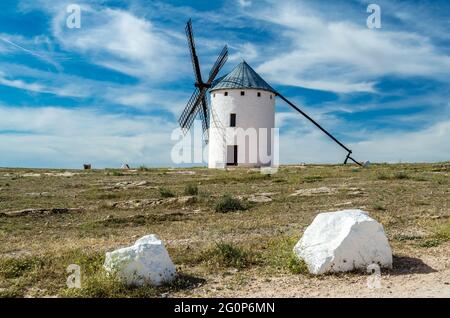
(321, 128)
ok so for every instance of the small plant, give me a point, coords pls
(382, 176)
(227, 255)
(296, 266)
(17, 267)
(405, 237)
(430, 243)
(443, 232)
(379, 207)
(166, 193)
(310, 179)
(401, 175)
(191, 189)
(227, 204)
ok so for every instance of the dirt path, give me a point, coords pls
(416, 285)
(427, 276)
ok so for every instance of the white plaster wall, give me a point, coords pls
(251, 112)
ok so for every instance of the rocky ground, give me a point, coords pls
(50, 219)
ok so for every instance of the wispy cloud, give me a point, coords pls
(119, 40)
(55, 136)
(343, 56)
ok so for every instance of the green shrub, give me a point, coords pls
(401, 175)
(17, 267)
(166, 193)
(430, 243)
(382, 176)
(227, 255)
(191, 189)
(443, 231)
(310, 179)
(227, 204)
(297, 266)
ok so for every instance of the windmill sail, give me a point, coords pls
(198, 103)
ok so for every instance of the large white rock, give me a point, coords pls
(146, 262)
(343, 241)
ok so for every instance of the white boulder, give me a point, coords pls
(343, 241)
(146, 262)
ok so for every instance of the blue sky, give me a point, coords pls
(112, 91)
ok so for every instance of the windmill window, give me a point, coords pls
(242, 93)
(214, 95)
(226, 93)
(270, 96)
(259, 94)
(232, 120)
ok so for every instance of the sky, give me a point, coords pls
(111, 91)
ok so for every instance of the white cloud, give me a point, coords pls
(342, 56)
(59, 137)
(245, 3)
(426, 145)
(121, 41)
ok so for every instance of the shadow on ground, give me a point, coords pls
(403, 265)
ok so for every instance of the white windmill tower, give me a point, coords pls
(242, 120)
(242, 104)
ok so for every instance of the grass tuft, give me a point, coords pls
(227, 255)
(297, 266)
(166, 193)
(17, 267)
(191, 189)
(401, 175)
(228, 204)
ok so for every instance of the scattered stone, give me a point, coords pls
(185, 172)
(31, 175)
(61, 174)
(343, 203)
(41, 211)
(135, 204)
(38, 194)
(146, 262)
(314, 191)
(343, 241)
(354, 191)
(259, 199)
(268, 194)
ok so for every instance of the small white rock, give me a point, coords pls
(343, 241)
(146, 262)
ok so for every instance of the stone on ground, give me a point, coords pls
(146, 262)
(343, 241)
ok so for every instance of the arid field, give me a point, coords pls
(230, 233)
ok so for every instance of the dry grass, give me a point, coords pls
(412, 202)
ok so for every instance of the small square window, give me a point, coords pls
(270, 96)
(242, 93)
(259, 94)
(226, 93)
(214, 95)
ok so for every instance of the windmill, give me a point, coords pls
(241, 94)
(198, 103)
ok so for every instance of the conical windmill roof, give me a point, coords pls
(242, 76)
